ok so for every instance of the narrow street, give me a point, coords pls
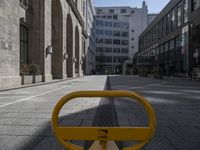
(25, 114)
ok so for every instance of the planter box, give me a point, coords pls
(37, 78)
(27, 79)
(30, 79)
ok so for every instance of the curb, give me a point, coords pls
(36, 84)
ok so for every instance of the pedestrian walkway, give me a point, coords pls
(25, 114)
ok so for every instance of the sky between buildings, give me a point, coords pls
(154, 6)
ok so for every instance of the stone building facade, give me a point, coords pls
(48, 33)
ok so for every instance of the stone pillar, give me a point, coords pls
(9, 44)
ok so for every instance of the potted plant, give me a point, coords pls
(25, 75)
(34, 70)
(30, 73)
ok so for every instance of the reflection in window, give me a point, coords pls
(179, 15)
(195, 4)
(116, 50)
(99, 23)
(108, 50)
(116, 33)
(108, 41)
(108, 24)
(116, 42)
(124, 50)
(185, 15)
(124, 42)
(99, 49)
(124, 34)
(108, 32)
(99, 32)
(99, 41)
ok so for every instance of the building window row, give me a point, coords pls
(112, 41)
(112, 50)
(173, 20)
(111, 59)
(107, 16)
(112, 24)
(112, 33)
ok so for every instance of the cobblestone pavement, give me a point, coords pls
(25, 114)
(177, 106)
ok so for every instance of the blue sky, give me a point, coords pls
(154, 6)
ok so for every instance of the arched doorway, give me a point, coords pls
(77, 51)
(57, 55)
(69, 46)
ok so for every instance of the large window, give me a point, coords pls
(116, 50)
(123, 11)
(108, 41)
(173, 20)
(125, 26)
(108, 24)
(116, 42)
(99, 49)
(124, 42)
(124, 34)
(179, 14)
(116, 33)
(99, 32)
(116, 25)
(99, 23)
(195, 4)
(124, 50)
(23, 44)
(185, 11)
(108, 32)
(108, 50)
(99, 40)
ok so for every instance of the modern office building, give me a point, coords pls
(90, 52)
(171, 42)
(41, 37)
(117, 32)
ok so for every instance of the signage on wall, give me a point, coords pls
(5, 44)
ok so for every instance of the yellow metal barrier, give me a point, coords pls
(103, 134)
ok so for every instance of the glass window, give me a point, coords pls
(107, 59)
(99, 59)
(123, 11)
(99, 49)
(108, 50)
(124, 50)
(108, 41)
(23, 44)
(116, 25)
(108, 24)
(173, 20)
(125, 26)
(99, 40)
(111, 11)
(195, 4)
(124, 42)
(116, 42)
(115, 17)
(116, 50)
(108, 32)
(124, 34)
(179, 15)
(185, 11)
(99, 32)
(116, 33)
(99, 23)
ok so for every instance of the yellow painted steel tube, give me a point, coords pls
(140, 134)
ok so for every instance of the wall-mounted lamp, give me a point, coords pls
(65, 56)
(49, 50)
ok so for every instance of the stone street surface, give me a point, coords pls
(25, 114)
